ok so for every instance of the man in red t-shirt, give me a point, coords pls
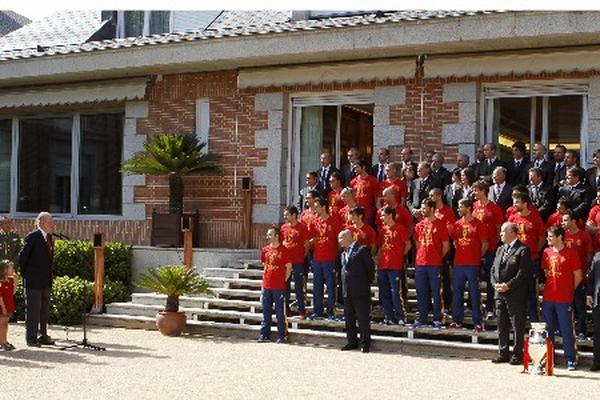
(393, 246)
(492, 217)
(470, 239)
(563, 275)
(393, 180)
(403, 216)
(580, 241)
(364, 234)
(448, 217)
(592, 225)
(309, 214)
(295, 238)
(325, 230)
(277, 270)
(531, 234)
(336, 203)
(350, 201)
(365, 189)
(431, 237)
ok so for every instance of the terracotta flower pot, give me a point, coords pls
(170, 323)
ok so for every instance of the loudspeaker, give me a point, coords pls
(97, 239)
(246, 183)
(186, 223)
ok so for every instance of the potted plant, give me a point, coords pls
(174, 156)
(174, 281)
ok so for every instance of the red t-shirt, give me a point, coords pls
(531, 228)
(335, 204)
(307, 217)
(344, 214)
(594, 218)
(430, 236)
(365, 191)
(559, 267)
(467, 237)
(392, 243)
(365, 235)
(446, 215)
(403, 217)
(556, 219)
(325, 233)
(274, 260)
(581, 242)
(294, 238)
(491, 215)
(398, 184)
(7, 292)
(512, 210)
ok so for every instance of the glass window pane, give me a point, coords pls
(513, 123)
(5, 152)
(99, 163)
(564, 123)
(134, 23)
(44, 175)
(159, 22)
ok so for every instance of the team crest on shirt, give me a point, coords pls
(553, 271)
(271, 258)
(426, 239)
(464, 240)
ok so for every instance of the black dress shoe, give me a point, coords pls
(516, 361)
(349, 346)
(33, 344)
(46, 341)
(595, 367)
(500, 360)
(365, 349)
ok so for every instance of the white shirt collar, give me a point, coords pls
(44, 233)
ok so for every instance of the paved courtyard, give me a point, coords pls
(145, 365)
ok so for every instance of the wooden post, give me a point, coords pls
(246, 212)
(98, 274)
(187, 229)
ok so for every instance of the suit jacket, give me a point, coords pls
(444, 176)
(581, 198)
(35, 260)
(324, 187)
(505, 199)
(419, 195)
(452, 196)
(513, 271)
(484, 170)
(518, 175)
(544, 200)
(357, 272)
(592, 286)
(547, 168)
(347, 174)
(559, 175)
(591, 177)
(375, 171)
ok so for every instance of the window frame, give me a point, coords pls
(75, 154)
(121, 23)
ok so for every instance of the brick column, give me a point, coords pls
(384, 133)
(465, 132)
(593, 117)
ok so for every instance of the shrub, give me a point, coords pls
(115, 292)
(74, 258)
(19, 314)
(117, 261)
(70, 297)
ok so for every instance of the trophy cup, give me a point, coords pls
(539, 349)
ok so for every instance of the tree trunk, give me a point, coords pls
(175, 193)
(172, 304)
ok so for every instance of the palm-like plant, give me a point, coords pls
(174, 281)
(175, 156)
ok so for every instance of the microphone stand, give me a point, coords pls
(84, 344)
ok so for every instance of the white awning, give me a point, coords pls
(506, 64)
(325, 73)
(132, 89)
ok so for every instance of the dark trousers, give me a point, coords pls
(579, 308)
(460, 276)
(357, 309)
(38, 311)
(560, 315)
(510, 313)
(389, 281)
(428, 282)
(267, 299)
(596, 321)
(298, 277)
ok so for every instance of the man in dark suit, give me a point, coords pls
(421, 186)
(519, 166)
(593, 301)
(560, 168)
(358, 271)
(35, 260)
(378, 170)
(509, 277)
(407, 154)
(486, 167)
(592, 175)
(348, 169)
(580, 195)
(324, 173)
(540, 161)
(439, 171)
(500, 192)
(542, 194)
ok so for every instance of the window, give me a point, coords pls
(134, 23)
(159, 22)
(65, 165)
(142, 23)
(5, 160)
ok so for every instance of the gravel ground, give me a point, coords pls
(145, 365)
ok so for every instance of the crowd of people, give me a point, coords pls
(513, 224)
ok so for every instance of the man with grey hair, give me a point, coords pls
(500, 192)
(509, 278)
(439, 171)
(462, 161)
(35, 260)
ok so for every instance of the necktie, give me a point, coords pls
(558, 166)
(49, 243)
(535, 193)
(517, 163)
(422, 186)
(381, 175)
(490, 163)
(346, 255)
(498, 191)
(505, 254)
(537, 163)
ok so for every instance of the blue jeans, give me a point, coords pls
(579, 307)
(298, 271)
(460, 276)
(323, 273)
(428, 284)
(488, 261)
(532, 293)
(560, 315)
(267, 298)
(388, 281)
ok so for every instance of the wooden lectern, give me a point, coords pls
(98, 274)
